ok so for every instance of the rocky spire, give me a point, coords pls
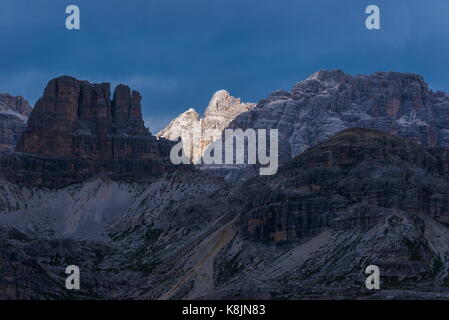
(76, 131)
(72, 108)
(222, 109)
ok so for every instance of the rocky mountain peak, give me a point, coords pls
(222, 109)
(70, 107)
(328, 102)
(76, 131)
(222, 101)
(190, 113)
(324, 81)
(327, 75)
(15, 103)
(14, 112)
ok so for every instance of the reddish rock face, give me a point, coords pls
(77, 119)
(76, 131)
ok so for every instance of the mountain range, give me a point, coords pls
(364, 181)
(221, 110)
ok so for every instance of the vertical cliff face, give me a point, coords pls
(350, 179)
(127, 112)
(221, 110)
(76, 131)
(16, 104)
(360, 198)
(331, 101)
(77, 119)
(14, 112)
(319, 107)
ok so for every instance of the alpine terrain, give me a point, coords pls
(364, 181)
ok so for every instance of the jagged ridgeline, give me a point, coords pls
(76, 131)
(364, 181)
(14, 112)
(324, 104)
(331, 101)
(221, 110)
(360, 198)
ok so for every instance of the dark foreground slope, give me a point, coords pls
(360, 198)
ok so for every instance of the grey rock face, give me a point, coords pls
(222, 109)
(331, 101)
(14, 112)
(352, 179)
(360, 198)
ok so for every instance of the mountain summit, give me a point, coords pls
(328, 102)
(77, 119)
(76, 131)
(221, 110)
(14, 112)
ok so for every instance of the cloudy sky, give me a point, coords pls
(177, 53)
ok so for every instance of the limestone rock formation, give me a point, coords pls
(14, 112)
(331, 101)
(77, 119)
(76, 131)
(196, 132)
(360, 198)
(353, 179)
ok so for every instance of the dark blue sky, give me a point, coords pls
(177, 53)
